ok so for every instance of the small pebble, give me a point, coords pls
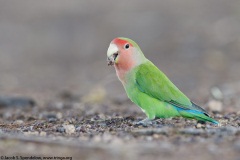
(42, 133)
(60, 129)
(59, 115)
(156, 136)
(18, 122)
(30, 128)
(215, 106)
(223, 121)
(80, 129)
(52, 120)
(31, 133)
(238, 113)
(69, 129)
(88, 126)
(199, 125)
(102, 116)
(50, 115)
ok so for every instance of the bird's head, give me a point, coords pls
(124, 53)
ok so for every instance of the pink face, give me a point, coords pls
(120, 54)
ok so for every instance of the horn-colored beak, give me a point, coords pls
(112, 54)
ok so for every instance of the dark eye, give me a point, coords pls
(126, 46)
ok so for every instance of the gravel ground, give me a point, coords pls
(66, 128)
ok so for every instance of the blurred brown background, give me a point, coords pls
(50, 46)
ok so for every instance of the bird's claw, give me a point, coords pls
(144, 122)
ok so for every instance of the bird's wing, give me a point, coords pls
(153, 82)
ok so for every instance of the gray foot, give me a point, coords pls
(144, 122)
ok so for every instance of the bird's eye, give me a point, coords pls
(126, 46)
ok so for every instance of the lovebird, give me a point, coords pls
(148, 87)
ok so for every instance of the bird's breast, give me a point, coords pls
(121, 74)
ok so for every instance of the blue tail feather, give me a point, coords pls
(195, 114)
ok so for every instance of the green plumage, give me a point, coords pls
(147, 86)
(158, 97)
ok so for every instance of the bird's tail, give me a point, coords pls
(194, 114)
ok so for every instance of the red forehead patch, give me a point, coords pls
(121, 42)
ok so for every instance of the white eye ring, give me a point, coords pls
(126, 46)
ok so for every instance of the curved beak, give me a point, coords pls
(112, 54)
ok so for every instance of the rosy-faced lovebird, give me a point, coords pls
(148, 87)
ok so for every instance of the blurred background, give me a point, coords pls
(53, 52)
(50, 46)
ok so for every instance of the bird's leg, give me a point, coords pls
(144, 122)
